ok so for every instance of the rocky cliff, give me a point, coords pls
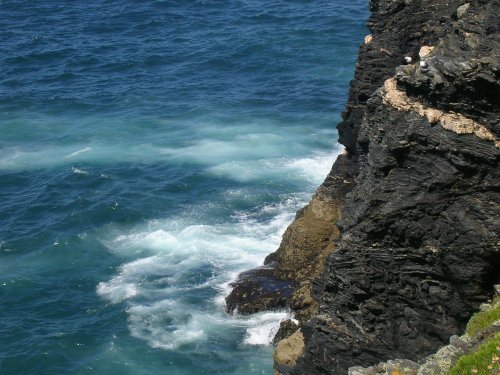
(400, 243)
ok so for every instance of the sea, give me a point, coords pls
(149, 152)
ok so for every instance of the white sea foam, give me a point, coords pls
(263, 327)
(316, 167)
(187, 260)
(79, 171)
(117, 290)
(165, 325)
(177, 272)
(313, 168)
(73, 154)
(245, 154)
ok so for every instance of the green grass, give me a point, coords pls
(477, 363)
(484, 319)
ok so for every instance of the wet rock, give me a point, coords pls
(289, 350)
(287, 276)
(287, 328)
(257, 290)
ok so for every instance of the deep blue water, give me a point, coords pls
(149, 151)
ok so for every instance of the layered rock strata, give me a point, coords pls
(400, 244)
(480, 329)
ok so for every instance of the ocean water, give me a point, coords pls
(150, 151)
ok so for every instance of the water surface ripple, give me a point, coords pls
(150, 151)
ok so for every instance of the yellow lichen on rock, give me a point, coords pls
(289, 350)
(306, 244)
(425, 51)
(303, 302)
(452, 121)
(308, 240)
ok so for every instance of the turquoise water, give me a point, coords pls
(150, 151)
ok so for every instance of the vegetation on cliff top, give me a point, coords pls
(484, 361)
(483, 319)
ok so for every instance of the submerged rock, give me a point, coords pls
(257, 290)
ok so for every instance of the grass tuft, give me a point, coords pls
(484, 361)
(484, 319)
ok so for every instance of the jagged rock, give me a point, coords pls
(410, 244)
(467, 60)
(418, 248)
(484, 306)
(462, 9)
(425, 51)
(402, 366)
(442, 361)
(438, 363)
(285, 280)
(459, 342)
(287, 328)
(257, 290)
(401, 27)
(358, 370)
(289, 350)
(396, 366)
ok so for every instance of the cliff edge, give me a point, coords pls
(399, 245)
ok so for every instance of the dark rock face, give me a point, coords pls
(419, 248)
(399, 28)
(259, 289)
(409, 217)
(462, 75)
(287, 328)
